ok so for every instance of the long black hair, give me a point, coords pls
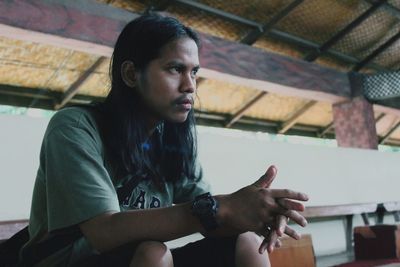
(172, 152)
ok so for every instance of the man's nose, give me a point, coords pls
(188, 84)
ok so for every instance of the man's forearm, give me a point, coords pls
(108, 231)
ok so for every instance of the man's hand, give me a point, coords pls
(276, 231)
(263, 210)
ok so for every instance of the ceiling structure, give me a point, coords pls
(275, 66)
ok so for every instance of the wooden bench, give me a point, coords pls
(9, 228)
(301, 252)
(346, 212)
(390, 207)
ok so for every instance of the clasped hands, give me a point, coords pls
(267, 211)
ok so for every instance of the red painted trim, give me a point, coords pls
(254, 63)
(57, 19)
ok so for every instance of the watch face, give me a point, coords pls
(204, 206)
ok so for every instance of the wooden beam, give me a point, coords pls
(81, 20)
(249, 66)
(73, 89)
(293, 119)
(93, 27)
(11, 32)
(238, 114)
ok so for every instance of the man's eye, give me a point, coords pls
(176, 69)
(194, 72)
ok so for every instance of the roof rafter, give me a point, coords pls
(394, 11)
(388, 134)
(252, 36)
(238, 114)
(73, 89)
(296, 116)
(380, 117)
(220, 13)
(377, 52)
(325, 130)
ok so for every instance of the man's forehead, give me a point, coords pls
(182, 51)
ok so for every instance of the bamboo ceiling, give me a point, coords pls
(345, 35)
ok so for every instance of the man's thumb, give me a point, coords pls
(265, 181)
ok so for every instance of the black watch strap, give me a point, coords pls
(205, 208)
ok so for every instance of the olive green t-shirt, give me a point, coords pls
(75, 183)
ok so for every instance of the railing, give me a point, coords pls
(348, 211)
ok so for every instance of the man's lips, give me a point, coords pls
(185, 103)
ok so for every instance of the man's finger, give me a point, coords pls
(267, 236)
(292, 233)
(263, 246)
(265, 181)
(281, 224)
(272, 241)
(294, 216)
(290, 204)
(287, 193)
(278, 243)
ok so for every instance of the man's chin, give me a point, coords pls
(178, 118)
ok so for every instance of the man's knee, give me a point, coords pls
(249, 239)
(152, 253)
(247, 251)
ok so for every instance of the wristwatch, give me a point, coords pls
(205, 208)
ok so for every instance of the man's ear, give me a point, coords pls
(128, 73)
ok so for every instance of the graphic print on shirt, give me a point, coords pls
(142, 199)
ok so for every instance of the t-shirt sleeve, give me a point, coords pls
(78, 185)
(187, 189)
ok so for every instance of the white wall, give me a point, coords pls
(20, 140)
(230, 160)
(329, 175)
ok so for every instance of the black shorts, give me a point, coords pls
(210, 252)
(207, 252)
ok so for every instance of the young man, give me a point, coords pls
(143, 138)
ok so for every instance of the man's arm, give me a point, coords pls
(251, 208)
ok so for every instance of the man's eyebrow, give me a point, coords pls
(180, 64)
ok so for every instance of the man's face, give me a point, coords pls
(168, 84)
